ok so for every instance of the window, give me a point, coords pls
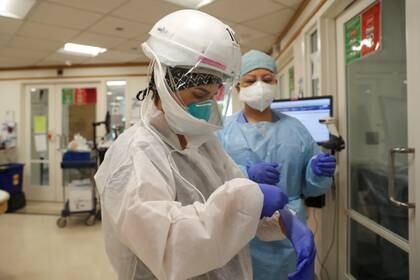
(314, 63)
(291, 73)
(282, 86)
(116, 106)
(286, 81)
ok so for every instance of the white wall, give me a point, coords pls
(12, 85)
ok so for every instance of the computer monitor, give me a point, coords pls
(308, 111)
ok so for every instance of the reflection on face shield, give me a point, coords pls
(201, 92)
(180, 78)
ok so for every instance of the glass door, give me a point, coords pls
(379, 199)
(56, 113)
(40, 163)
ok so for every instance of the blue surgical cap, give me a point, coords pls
(256, 59)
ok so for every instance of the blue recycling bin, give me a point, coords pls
(11, 177)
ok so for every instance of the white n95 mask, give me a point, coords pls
(259, 95)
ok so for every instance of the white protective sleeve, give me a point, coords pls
(268, 228)
(179, 242)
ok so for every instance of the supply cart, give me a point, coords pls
(79, 189)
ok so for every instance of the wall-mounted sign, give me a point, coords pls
(79, 96)
(363, 33)
(353, 39)
(371, 29)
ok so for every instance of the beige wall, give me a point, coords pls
(12, 86)
(324, 222)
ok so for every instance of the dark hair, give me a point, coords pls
(141, 95)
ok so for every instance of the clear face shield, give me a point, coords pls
(195, 98)
(204, 93)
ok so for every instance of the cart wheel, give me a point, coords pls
(90, 221)
(62, 222)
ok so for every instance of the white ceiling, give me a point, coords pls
(36, 39)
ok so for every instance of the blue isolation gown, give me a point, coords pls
(287, 142)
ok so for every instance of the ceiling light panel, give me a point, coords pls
(15, 8)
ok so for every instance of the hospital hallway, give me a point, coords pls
(32, 247)
(209, 139)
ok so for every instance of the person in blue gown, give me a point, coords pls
(275, 149)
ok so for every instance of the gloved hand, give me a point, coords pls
(274, 199)
(303, 242)
(323, 165)
(264, 173)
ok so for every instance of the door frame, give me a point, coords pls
(413, 103)
(39, 193)
(55, 130)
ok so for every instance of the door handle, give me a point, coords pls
(391, 176)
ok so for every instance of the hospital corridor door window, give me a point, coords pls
(54, 114)
(375, 42)
(39, 151)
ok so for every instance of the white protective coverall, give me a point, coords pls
(156, 224)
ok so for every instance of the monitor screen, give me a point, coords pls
(308, 111)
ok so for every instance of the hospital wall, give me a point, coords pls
(371, 85)
(13, 84)
(294, 47)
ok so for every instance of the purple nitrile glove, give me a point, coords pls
(274, 199)
(303, 242)
(323, 165)
(264, 173)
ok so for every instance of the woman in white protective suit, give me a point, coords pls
(175, 206)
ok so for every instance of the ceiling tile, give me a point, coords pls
(35, 44)
(290, 3)
(146, 11)
(100, 6)
(141, 58)
(262, 44)
(16, 62)
(49, 32)
(51, 13)
(97, 40)
(130, 28)
(245, 49)
(132, 46)
(272, 23)
(22, 53)
(246, 34)
(9, 25)
(239, 11)
(4, 39)
(113, 57)
(62, 58)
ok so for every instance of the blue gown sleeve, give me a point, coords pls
(314, 185)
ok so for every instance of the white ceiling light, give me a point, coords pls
(192, 4)
(15, 8)
(109, 93)
(116, 83)
(79, 49)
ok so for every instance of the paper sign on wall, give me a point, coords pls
(40, 124)
(363, 33)
(41, 143)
